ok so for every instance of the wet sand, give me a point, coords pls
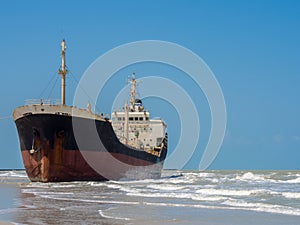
(9, 197)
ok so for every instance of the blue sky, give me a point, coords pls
(252, 47)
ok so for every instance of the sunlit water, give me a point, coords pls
(179, 197)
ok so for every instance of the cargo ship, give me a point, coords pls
(130, 145)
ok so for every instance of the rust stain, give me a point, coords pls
(58, 148)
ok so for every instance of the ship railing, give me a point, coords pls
(42, 102)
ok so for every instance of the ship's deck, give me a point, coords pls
(52, 107)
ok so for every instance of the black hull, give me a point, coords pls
(52, 151)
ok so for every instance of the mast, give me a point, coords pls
(126, 123)
(63, 72)
(132, 91)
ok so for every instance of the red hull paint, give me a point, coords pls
(71, 165)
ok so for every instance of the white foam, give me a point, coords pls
(36, 185)
(292, 181)
(41, 193)
(89, 200)
(208, 198)
(226, 192)
(124, 188)
(178, 196)
(204, 175)
(187, 205)
(112, 217)
(291, 195)
(64, 185)
(249, 176)
(55, 193)
(158, 195)
(29, 206)
(29, 191)
(234, 204)
(146, 181)
(166, 187)
(96, 184)
(20, 174)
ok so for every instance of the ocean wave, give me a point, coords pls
(292, 181)
(160, 195)
(211, 195)
(123, 188)
(229, 192)
(269, 178)
(178, 178)
(135, 181)
(262, 207)
(14, 174)
(165, 187)
(178, 195)
(186, 178)
(209, 198)
(269, 192)
(249, 176)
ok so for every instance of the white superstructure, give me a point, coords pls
(134, 127)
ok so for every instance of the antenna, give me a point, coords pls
(132, 91)
(63, 72)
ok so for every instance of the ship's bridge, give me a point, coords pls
(134, 127)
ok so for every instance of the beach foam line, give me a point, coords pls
(179, 196)
(229, 192)
(89, 200)
(112, 217)
(262, 207)
(165, 187)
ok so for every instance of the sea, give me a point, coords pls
(178, 197)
